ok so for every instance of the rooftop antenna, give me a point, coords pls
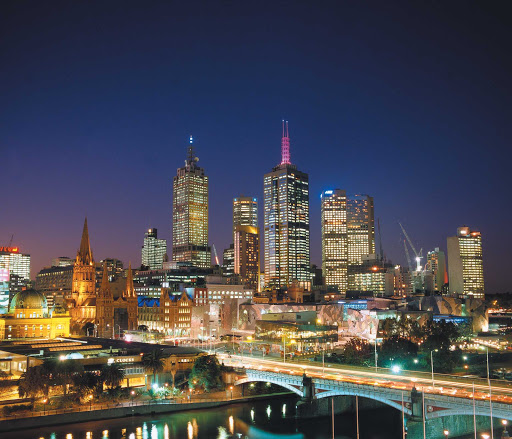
(285, 145)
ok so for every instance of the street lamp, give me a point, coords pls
(231, 388)
(133, 394)
(432, 365)
(44, 402)
(485, 436)
(446, 433)
(90, 402)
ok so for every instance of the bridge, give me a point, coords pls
(442, 403)
(404, 399)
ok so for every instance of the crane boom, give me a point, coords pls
(215, 254)
(416, 254)
(408, 256)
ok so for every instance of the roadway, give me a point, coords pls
(448, 385)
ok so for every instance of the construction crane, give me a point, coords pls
(417, 255)
(408, 256)
(215, 254)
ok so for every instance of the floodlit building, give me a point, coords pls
(286, 221)
(153, 250)
(465, 263)
(360, 228)
(334, 239)
(190, 214)
(30, 317)
(228, 261)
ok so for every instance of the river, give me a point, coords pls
(271, 419)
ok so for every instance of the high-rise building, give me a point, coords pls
(228, 261)
(153, 250)
(436, 264)
(360, 228)
(247, 255)
(14, 274)
(465, 263)
(16, 262)
(334, 239)
(286, 221)
(245, 212)
(246, 240)
(190, 214)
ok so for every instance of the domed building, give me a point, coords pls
(29, 317)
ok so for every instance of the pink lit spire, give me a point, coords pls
(285, 145)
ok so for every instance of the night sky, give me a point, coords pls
(407, 101)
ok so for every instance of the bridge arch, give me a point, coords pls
(375, 397)
(269, 380)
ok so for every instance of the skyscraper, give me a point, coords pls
(247, 255)
(153, 250)
(190, 214)
(465, 263)
(360, 228)
(245, 212)
(246, 240)
(436, 264)
(14, 274)
(334, 239)
(286, 221)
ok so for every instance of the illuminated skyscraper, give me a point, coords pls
(190, 214)
(153, 250)
(334, 239)
(360, 228)
(436, 264)
(286, 221)
(245, 212)
(246, 240)
(465, 263)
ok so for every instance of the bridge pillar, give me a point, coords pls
(308, 388)
(416, 405)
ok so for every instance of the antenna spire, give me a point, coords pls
(285, 145)
(190, 157)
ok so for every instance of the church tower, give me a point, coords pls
(130, 296)
(84, 271)
(105, 307)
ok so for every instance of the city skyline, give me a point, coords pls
(383, 133)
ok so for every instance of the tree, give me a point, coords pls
(357, 351)
(64, 371)
(33, 382)
(86, 383)
(112, 375)
(154, 362)
(206, 373)
(398, 349)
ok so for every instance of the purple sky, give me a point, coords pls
(408, 102)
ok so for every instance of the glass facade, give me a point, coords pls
(360, 228)
(334, 239)
(190, 214)
(245, 212)
(286, 226)
(153, 250)
(465, 258)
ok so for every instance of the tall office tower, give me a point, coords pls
(228, 261)
(436, 264)
(17, 263)
(286, 221)
(14, 274)
(245, 212)
(334, 239)
(465, 263)
(247, 255)
(190, 214)
(360, 228)
(153, 250)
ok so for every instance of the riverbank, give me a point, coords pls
(137, 409)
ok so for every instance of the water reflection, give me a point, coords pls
(251, 421)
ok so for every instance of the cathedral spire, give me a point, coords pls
(105, 284)
(129, 290)
(85, 252)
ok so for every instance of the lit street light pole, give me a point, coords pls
(432, 365)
